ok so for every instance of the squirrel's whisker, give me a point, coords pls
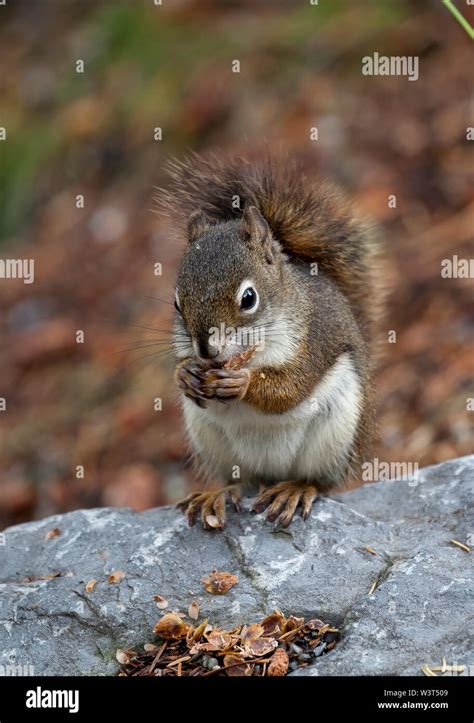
(156, 355)
(150, 328)
(141, 346)
(163, 301)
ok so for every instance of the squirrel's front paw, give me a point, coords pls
(189, 378)
(223, 385)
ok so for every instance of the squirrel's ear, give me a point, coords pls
(257, 229)
(197, 225)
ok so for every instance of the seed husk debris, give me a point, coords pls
(274, 647)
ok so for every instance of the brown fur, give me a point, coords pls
(339, 309)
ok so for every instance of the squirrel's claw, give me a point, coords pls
(281, 501)
(235, 496)
(210, 506)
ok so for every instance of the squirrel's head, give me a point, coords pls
(228, 285)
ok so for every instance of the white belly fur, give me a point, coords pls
(311, 441)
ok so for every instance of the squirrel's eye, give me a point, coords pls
(249, 299)
(176, 303)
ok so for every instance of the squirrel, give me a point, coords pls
(277, 306)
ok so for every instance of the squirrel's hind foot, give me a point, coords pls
(210, 506)
(281, 501)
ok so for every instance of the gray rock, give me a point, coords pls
(419, 610)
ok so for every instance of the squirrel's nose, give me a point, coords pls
(206, 350)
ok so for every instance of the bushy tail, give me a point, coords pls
(309, 218)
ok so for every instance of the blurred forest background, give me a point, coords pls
(92, 133)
